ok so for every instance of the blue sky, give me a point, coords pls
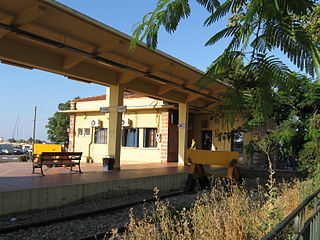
(22, 89)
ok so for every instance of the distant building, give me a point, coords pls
(1, 140)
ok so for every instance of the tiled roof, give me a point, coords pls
(103, 97)
(88, 99)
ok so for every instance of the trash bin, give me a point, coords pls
(108, 163)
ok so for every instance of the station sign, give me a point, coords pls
(122, 108)
(119, 109)
(104, 110)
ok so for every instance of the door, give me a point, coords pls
(206, 140)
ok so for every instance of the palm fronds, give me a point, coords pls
(255, 28)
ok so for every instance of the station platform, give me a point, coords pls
(20, 190)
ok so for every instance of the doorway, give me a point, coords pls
(206, 140)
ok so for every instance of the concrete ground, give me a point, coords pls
(18, 175)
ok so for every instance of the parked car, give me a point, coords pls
(6, 151)
(18, 151)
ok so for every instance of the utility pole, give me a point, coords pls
(18, 121)
(34, 128)
(16, 129)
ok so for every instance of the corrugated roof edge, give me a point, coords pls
(103, 97)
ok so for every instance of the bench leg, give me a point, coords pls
(42, 171)
(191, 184)
(80, 169)
(204, 182)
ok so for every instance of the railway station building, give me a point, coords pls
(152, 110)
(150, 131)
(49, 36)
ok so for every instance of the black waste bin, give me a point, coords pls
(108, 163)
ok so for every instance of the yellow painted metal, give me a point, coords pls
(39, 148)
(219, 158)
(192, 169)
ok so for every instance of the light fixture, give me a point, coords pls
(103, 63)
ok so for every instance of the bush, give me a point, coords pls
(22, 158)
(233, 214)
(310, 155)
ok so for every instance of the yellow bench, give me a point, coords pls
(198, 158)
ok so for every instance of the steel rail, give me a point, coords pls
(104, 235)
(81, 215)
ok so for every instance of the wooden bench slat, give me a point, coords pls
(65, 162)
(57, 159)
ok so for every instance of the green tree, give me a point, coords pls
(262, 85)
(311, 23)
(256, 28)
(58, 124)
(310, 154)
(296, 102)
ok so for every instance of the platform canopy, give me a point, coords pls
(47, 35)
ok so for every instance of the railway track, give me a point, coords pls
(80, 216)
(104, 235)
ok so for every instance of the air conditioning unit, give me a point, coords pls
(126, 122)
(95, 123)
(158, 137)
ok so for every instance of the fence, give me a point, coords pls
(296, 224)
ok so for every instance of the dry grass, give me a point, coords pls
(219, 214)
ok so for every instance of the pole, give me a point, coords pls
(34, 128)
(18, 120)
(15, 128)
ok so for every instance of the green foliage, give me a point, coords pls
(237, 213)
(310, 155)
(263, 87)
(22, 158)
(311, 23)
(58, 125)
(256, 28)
(168, 14)
(261, 25)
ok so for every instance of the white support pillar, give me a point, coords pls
(115, 96)
(183, 131)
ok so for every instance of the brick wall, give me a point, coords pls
(164, 131)
(169, 138)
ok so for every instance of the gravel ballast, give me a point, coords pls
(84, 227)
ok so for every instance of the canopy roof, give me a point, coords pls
(47, 35)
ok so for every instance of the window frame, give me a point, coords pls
(146, 138)
(126, 135)
(237, 139)
(84, 132)
(80, 132)
(101, 138)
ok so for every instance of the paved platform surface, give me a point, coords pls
(18, 175)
